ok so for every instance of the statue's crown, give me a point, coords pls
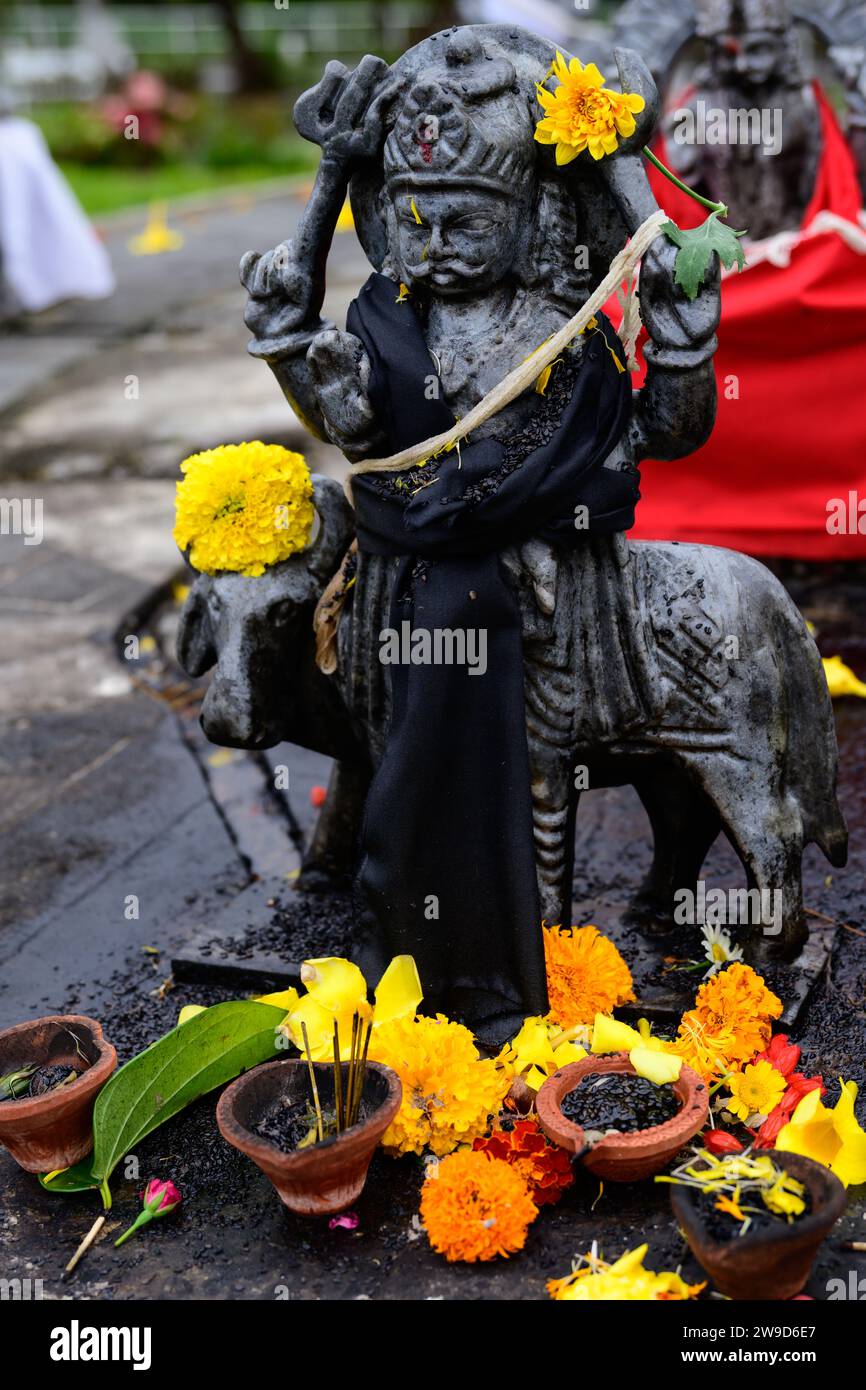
(463, 120)
(739, 16)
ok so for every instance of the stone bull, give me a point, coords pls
(737, 736)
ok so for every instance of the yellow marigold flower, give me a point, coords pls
(475, 1207)
(582, 113)
(731, 1021)
(756, 1090)
(625, 1281)
(450, 1095)
(243, 507)
(586, 975)
(704, 1051)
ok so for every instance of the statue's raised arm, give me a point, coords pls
(322, 372)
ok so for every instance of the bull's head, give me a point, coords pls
(258, 634)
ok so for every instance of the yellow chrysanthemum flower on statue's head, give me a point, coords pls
(243, 507)
(583, 114)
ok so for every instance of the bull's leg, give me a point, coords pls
(766, 831)
(684, 825)
(553, 811)
(330, 858)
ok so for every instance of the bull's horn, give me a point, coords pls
(635, 77)
(336, 527)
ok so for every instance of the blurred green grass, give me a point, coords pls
(214, 144)
(103, 190)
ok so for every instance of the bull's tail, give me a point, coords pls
(812, 755)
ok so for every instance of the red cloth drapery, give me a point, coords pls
(792, 344)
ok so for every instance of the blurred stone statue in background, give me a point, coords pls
(745, 111)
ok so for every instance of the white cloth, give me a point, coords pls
(48, 249)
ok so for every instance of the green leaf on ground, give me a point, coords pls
(76, 1179)
(207, 1051)
(697, 245)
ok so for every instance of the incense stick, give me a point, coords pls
(320, 1129)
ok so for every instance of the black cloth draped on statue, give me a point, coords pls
(447, 868)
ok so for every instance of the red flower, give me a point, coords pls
(719, 1142)
(546, 1167)
(781, 1054)
(799, 1086)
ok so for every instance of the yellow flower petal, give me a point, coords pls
(659, 1067)
(319, 1023)
(399, 992)
(609, 1035)
(841, 680)
(189, 1011)
(567, 1053)
(335, 983)
(283, 999)
(566, 153)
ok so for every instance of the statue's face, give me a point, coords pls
(751, 59)
(464, 243)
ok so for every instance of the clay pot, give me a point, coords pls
(622, 1157)
(328, 1177)
(773, 1263)
(54, 1130)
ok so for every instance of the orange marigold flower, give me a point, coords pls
(475, 1207)
(545, 1167)
(586, 975)
(730, 1022)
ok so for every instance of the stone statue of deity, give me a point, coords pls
(684, 671)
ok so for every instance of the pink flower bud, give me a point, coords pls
(161, 1197)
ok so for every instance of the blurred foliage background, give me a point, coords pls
(210, 83)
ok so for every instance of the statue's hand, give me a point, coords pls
(343, 112)
(280, 300)
(672, 319)
(534, 568)
(340, 374)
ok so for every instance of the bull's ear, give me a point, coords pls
(195, 645)
(336, 528)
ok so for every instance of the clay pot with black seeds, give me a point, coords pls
(622, 1157)
(54, 1129)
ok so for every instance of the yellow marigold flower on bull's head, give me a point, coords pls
(243, 507)
(475, 1207)
(586, 975)
(450, 1095)
(582, 113)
